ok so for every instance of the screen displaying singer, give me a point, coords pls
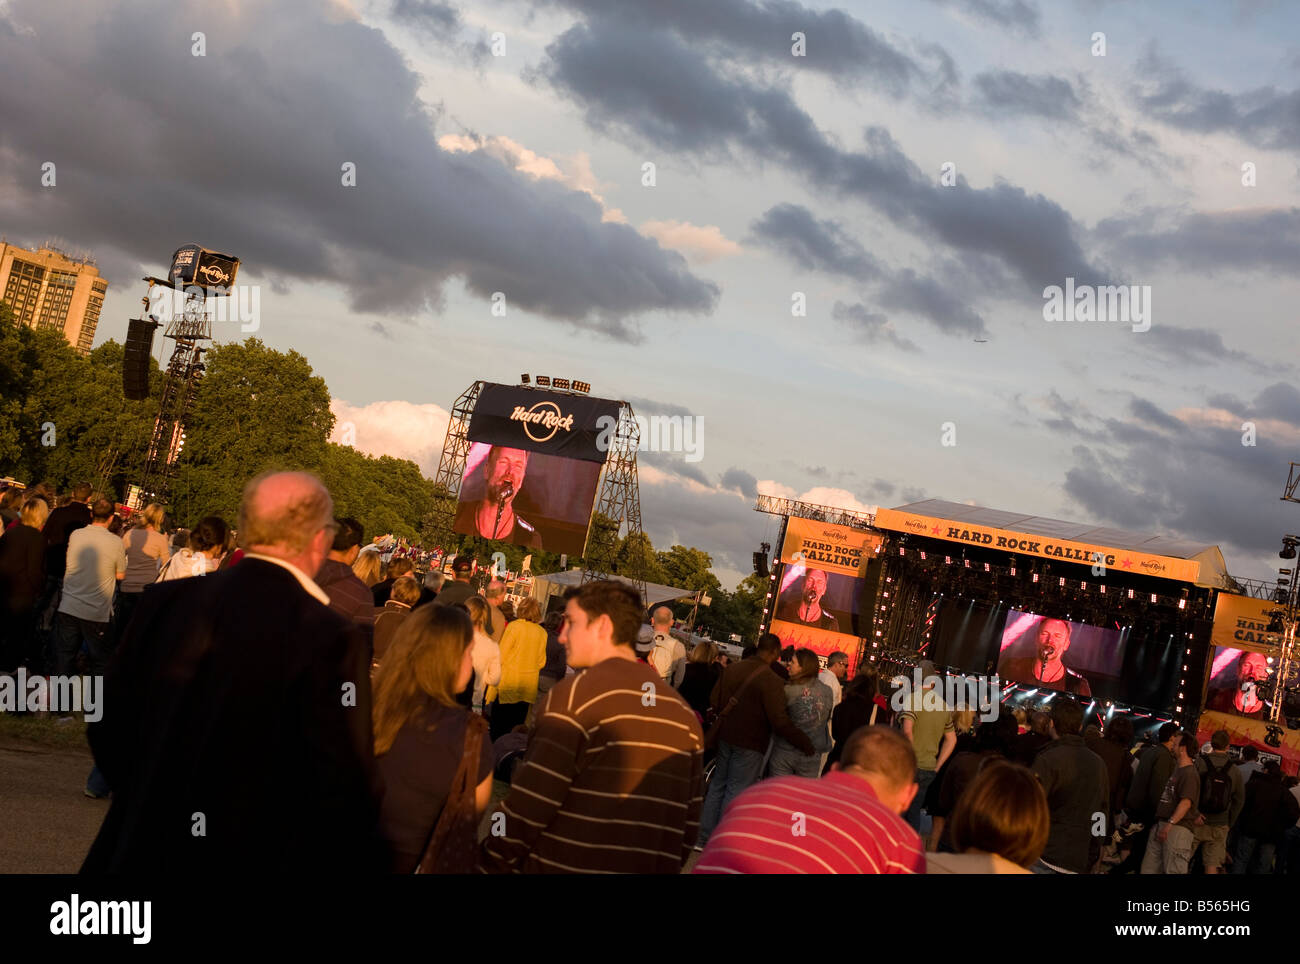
(1046, 667)
(494, 516)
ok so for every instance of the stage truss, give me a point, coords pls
(618, 500)
(180, 390)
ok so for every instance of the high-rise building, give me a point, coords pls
(48, 289)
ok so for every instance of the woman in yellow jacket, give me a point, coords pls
(523, 654)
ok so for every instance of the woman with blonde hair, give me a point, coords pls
(433, 755)
(486, 653)
(147, 553)
(367, 567)
(523, 654)
(22, 580)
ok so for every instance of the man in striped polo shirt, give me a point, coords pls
(612, 779)
(848, 822)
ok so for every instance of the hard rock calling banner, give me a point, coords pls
(1045, 547)
(816, 605)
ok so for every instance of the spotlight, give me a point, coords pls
(1035, 577)
(523, 379)
(1289, 544)
(1275, 623)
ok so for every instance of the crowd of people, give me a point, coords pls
(282, 691)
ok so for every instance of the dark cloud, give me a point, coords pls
(1280, 400)
(649, 86)
(814, 244)
(646, 406)
(1009, 92)
(1016, 15)
(143, 162)
(430, 15)
(1150, 413)
(1265, 116)
(676, 514)
(741, 481)
(869, 326)
(822, 245)
(442, 23)
(1253, 240)
(918, 295)
(836, 43)
(1153, 472)
(1201, 346)
(674, 464)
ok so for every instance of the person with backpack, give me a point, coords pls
(1222, 797)
(668, 656)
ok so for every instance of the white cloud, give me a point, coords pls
(401, 429)
(699, 243)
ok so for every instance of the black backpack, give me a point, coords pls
(1216, 788)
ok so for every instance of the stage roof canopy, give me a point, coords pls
(1213, 568)
(655, 593)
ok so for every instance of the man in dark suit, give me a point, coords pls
(236, 734)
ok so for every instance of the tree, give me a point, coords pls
(63, 417)
(257, 409)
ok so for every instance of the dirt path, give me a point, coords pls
(46, 822)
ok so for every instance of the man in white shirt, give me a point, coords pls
(669, 655)
(96, 563)
(837, 667)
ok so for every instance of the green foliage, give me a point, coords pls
(49, 393)
(257, 410)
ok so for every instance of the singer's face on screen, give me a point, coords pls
(505, 468)
(1053, 640)
(1253, 666)
(814, 586)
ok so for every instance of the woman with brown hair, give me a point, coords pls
(434, 757)
(523, 654)
(808, 701)
(999, 826)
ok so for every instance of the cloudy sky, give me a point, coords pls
(503, 147)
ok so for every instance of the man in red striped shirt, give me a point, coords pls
(848, 822)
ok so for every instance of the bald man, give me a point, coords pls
(668, 656)
(805, 606)
(236, 729)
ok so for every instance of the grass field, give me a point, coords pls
(44, 730)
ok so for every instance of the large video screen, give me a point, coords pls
(526, 498)
(1238, 682)
(533, 466)
(1058, 654)
(820, 587)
